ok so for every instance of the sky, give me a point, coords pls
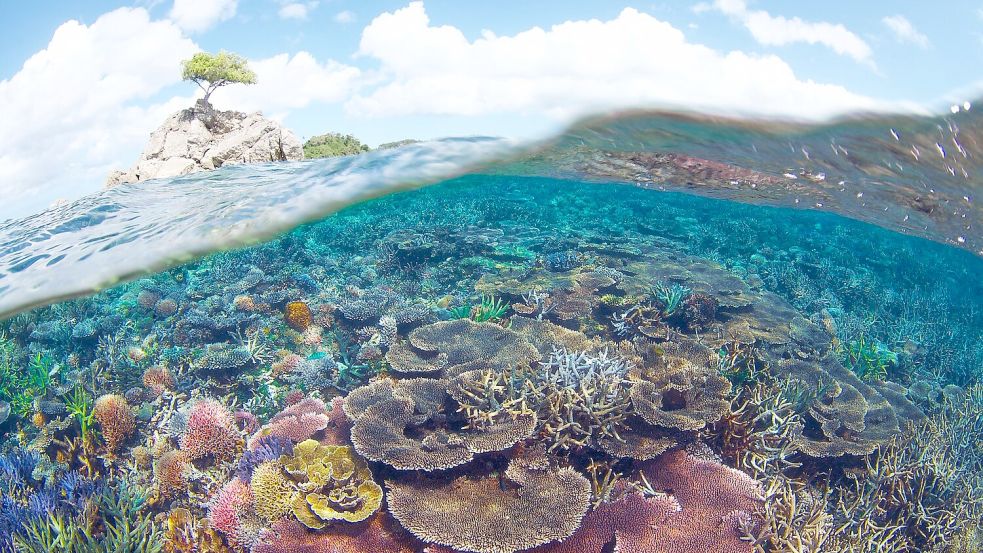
(82, 84)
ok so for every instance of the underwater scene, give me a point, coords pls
(656, 333)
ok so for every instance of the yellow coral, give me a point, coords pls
(273, 493)
(328, 483)
(298, 315)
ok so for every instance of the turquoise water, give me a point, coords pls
(500, 363)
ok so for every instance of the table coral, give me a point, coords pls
(298, 422)
(400, 424)
(528, 506)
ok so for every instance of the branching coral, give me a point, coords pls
(577, 397)
(210, 432)
(116, 420)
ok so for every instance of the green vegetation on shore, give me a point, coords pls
(332, 145)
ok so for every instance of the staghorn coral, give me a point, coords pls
(530, 505)
(210, 432)
(400, 424)
(576, 397)
(297, 315)
(116, 420)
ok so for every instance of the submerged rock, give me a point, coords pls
(201, 138)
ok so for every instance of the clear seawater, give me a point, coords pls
(785, 323)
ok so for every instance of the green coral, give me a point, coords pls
(869, 359)
(79, 405)
(124, 527)
(490, 309)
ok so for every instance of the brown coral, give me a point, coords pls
(466, 345)
(157, 380)
(297, 315)
(171, 474)
(115, 419)
(529, 506)
(673, 392)
(400, 424)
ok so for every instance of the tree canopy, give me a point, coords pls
(212, 71)
(333, 144)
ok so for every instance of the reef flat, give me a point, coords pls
(502, 364)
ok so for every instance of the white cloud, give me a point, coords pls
(574, 67)
(196, 16)
(345, 16)
(285, 82)
(773, 30)
(84, 105)
(904, 31)
(296, 10)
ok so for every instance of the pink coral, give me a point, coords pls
(339, 429)
(231, 512)
(625, 520)
(210, 432)
(713, 498)
(699, 513)
(298, 422)
(247, 421)
(377, 535)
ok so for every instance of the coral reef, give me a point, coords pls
(470, 371)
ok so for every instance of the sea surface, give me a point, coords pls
(654, 332)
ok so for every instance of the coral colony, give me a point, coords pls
(469, 368)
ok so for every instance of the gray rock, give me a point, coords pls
(201, 139)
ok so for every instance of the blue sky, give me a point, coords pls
(83, 83)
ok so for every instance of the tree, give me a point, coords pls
(212, 71)
(333, 144)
